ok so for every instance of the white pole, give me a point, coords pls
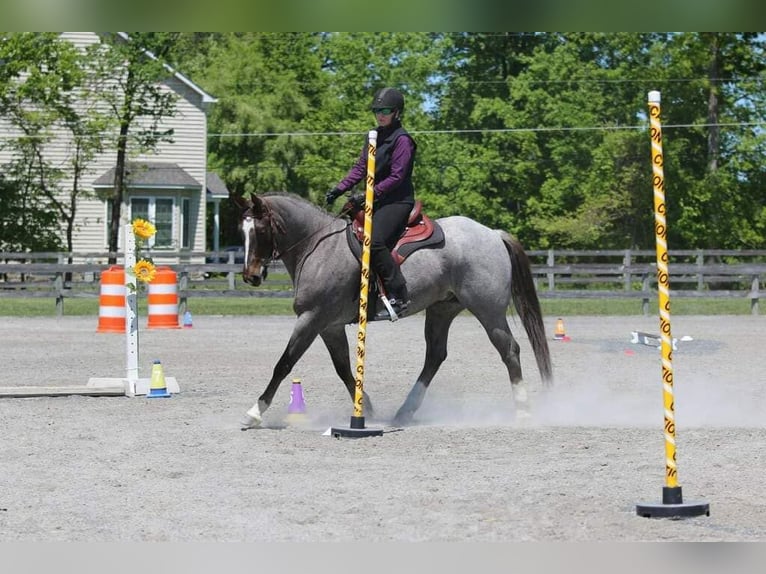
(131, 312)
(217, 225)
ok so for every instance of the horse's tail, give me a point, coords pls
(527, 305)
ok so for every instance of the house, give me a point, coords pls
(169, 187)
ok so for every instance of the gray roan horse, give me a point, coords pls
(476, 268)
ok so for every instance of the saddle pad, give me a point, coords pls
(401, 251)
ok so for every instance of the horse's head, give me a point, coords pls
(259, 228)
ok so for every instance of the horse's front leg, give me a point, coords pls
(335, 340)
(303, 335)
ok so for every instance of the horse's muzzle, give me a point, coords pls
(255, 274)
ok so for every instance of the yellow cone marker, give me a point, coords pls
(157, 386)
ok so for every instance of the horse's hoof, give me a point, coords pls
(523, 417)
(403, 419)
(249, 422)
(252, 418)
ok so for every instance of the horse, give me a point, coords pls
(475, 268)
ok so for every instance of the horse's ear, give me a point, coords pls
(259, 207)
(240, 201)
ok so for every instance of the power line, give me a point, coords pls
(486, 130)
(432, 132)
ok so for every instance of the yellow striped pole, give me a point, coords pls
(356, 427)
(364, 285)
(672, 499)
(663, 289)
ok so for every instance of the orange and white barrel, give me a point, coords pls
(111, 301)
(163, 299)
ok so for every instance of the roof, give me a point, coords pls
(216, 188)
(145, 174)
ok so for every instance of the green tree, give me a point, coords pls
(37, 78)
(293, 108)
(543, 134)
(714, 162)
(129, 71)
(267, 83)
(357, 65)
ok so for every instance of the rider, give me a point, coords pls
(394, 191)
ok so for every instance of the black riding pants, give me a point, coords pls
(388, 223)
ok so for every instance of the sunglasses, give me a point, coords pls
(383, 111)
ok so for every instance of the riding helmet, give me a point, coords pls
(388, 98)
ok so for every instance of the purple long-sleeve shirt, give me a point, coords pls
(400, 160)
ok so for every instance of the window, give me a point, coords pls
(163, 221)
(158, 210)
(186, 223)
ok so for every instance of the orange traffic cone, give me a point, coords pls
(559, 334)
(163, 299)
(111, 301)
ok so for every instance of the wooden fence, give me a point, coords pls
(558, 274)
(699, 273)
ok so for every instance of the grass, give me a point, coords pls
(43, 306)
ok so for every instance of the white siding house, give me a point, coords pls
(169, 186)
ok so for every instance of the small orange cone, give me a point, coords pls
(559, 334)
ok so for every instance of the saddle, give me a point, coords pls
(421, 231)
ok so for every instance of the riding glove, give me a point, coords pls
(357, 200)
(332, 195)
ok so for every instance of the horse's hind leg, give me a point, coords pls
(439, 317)
(335, 340)
(496, 326)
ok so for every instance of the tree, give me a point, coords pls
(715, 170)
(542, 134)
(26, 222)
(36, 82)
(360, 63)
(294, 107)
(50, 95)
(129, 72)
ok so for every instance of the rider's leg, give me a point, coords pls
(388, 224)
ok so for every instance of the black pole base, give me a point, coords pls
(673, 506)
(356, 429)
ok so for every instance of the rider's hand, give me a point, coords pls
(357, 200)
(331, 196)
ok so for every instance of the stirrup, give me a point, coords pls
(394, 308)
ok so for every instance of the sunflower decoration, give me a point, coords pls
(144, 270)
(143, 229)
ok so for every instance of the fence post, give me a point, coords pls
(230, 274)
(754, 295)
(626, 264)
(58, 283)
(645, 298)
(700, 273)
(551, 276)
(183, 285)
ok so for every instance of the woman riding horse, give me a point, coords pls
(394, 192)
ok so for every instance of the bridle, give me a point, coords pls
(266, 226)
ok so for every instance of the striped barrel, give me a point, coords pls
(163, 300)
(111, 301)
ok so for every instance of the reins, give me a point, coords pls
(277, 227)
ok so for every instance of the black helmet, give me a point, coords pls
(388, 98)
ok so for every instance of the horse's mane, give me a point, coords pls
(294, 199)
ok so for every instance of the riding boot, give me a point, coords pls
(393, 282)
